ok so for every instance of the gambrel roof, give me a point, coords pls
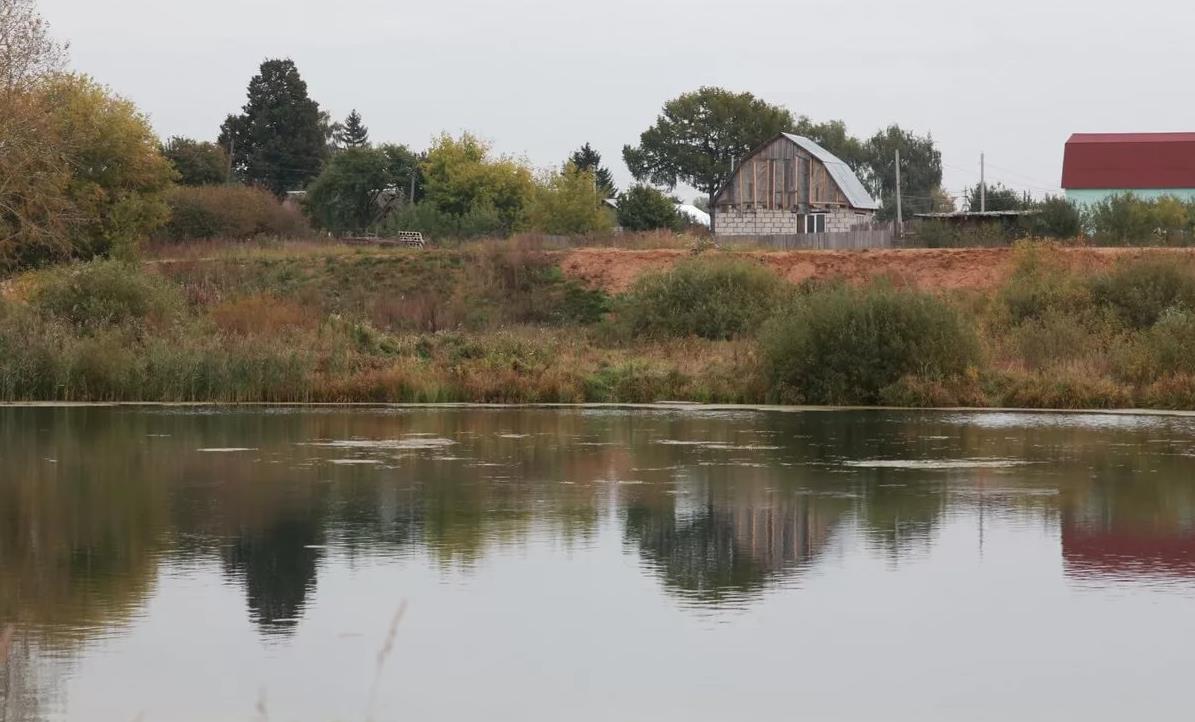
(842, 174)
(1129, 161)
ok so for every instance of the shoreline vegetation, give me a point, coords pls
(693, 406)
(500, 322)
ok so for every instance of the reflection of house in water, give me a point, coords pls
(778, 537)
(1127, 552)
(720, 548)
(1131, 531)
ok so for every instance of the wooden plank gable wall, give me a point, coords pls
(782, 176)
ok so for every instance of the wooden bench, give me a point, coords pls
(407, 239)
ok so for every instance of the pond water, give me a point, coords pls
(594, 564)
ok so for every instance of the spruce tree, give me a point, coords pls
(588, 159)
(278, 140)
(353, 133)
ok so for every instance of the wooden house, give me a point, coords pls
(791, 185)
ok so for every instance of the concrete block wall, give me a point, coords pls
(758, 222)
(842, 220)
(766, 222)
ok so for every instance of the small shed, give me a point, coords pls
(791, 185)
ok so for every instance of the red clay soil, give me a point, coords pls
(614, 270)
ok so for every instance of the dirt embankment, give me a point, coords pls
(614, 270)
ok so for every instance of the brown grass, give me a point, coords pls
(263, 314)
(325, 322)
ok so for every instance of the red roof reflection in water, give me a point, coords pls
(1127, 554)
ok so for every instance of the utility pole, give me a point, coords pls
(900, 217)
(232, 144)
(983, 189)
(412, 188)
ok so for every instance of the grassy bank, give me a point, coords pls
(500, 322)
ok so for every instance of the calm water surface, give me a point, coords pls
(180, 564)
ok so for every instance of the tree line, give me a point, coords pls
(84, 174)
(699, 136)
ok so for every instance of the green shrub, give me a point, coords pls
(1167, 347)
(438, 225)
(1056, 217)
(843, 345)
(916, 391)
(570, 203)
(633, 382)
(711, 297)
(1063, 389)
(1172, 391)
(228, 212)
(940, 234)
(643, 208)
(506, 282)
(1041, 284)
(1127, 220)
(101, 293)
(31, 354)
(1121, 219)
(936, 234)
(1056, 336)
(1140, 291)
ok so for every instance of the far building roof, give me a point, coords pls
(842, 174)
(846, 180)
(968, 215)
(1129, 161)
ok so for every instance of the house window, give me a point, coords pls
(815, 223)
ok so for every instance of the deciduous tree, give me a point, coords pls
(460, 177)
(570, 202)
(920, 170)
(197, 163)
(996, 197)
(699, 135)
(118, 177)
(27, 51)
(358, 186)
(80, 173)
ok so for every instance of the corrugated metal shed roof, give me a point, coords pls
(1127, 161)
(976, 214)
(842, 174)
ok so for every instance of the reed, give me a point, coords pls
(499, 322)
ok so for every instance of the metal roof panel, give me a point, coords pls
(1128, 161)
(842, 174)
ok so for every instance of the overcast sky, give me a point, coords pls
(538, 78)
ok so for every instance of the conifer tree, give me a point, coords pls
(353, 133)
(588, 159)
(278, 140)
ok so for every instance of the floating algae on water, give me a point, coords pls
(927, 464)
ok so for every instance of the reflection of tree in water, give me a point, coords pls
(899, 512)
(728, 550)
(77, 551)
(277, 565)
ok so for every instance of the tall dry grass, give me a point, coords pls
(499, 322)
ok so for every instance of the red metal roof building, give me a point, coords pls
(1096, 165)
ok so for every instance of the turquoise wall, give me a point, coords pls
(1085, 196)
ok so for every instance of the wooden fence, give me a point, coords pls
(884, 237)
